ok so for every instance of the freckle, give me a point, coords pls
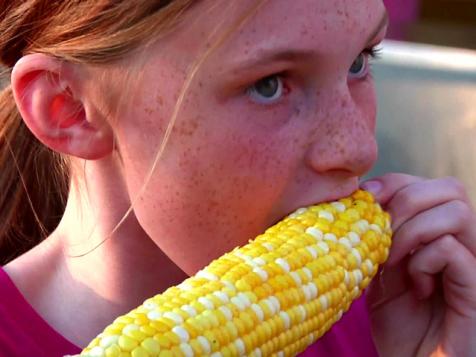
(160, 100)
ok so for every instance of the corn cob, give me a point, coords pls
(272, 297)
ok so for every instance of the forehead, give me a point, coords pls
(279, 22)
(330, 27)
(324, 22)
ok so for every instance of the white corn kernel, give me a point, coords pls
(296, 278)
(262, 273)
(107, 341)
(313, 289)
(283, 264)
(227, 312)
(308, 272)
(222, 296)
(345, 242)
(257, 352)
(376, 228)
(312, 251)
(154, 315)
(370, 266)
(324, 302)
(174, 317)
(274, 300)
(339, 206)
(286, 319)
(358, 276)
(187, 350)
(357, 256)
(235, 300)
(324, 247)
(354, 238)
(181, 333)
(258, 311)
(268, 246)
(206, 275)
(206, 302)
(205, 344)
(326, 215)
(315, 232)
(240, 346)
(330, 236)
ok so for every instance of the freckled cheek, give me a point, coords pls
(365, 100)
(219, 202)
(220, 172)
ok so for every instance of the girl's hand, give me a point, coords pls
(423, 302)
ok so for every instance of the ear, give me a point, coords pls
(48, 95)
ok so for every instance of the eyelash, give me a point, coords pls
(374, 52)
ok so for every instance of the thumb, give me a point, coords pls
(385, 187)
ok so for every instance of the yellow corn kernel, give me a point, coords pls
(273, 296)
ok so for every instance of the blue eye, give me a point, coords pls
(360, 66)
(267, 90)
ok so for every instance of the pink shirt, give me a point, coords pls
(23, 333)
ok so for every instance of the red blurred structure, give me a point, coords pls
(402, 13)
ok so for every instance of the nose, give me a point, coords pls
(344, 139)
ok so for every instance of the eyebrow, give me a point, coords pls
(266, 56)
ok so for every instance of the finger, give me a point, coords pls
(389, 283)
(424, 195)
(447, 256)
(454, 217)
(386, 186)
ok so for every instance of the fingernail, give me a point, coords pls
(372, 186)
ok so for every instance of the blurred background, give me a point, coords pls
(426, 88)
(439, 22)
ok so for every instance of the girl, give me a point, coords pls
(177, 130)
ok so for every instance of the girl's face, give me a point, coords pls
(281, 116)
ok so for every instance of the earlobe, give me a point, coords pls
(47, 93)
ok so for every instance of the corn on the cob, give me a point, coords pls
(272, 297)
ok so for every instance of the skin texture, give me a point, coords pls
(232, 167)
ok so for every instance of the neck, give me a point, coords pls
(106, 277)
